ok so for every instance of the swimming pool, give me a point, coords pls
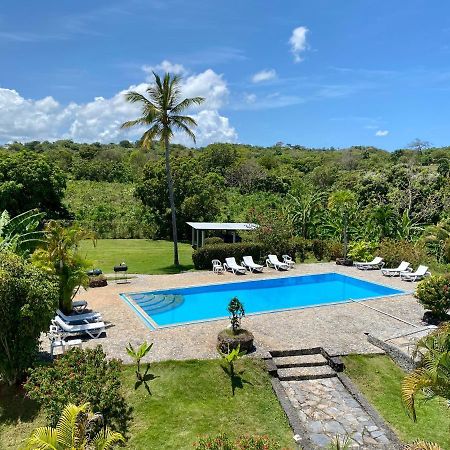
(200, 303)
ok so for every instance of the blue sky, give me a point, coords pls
(311, 72)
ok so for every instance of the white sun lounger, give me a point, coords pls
(251, 265)
(403, 267)
(289, 261)
(94, 330)
(80, 318)
(233, 266)
(421, 272)
(376, 263)
(79, 306)
(273, 261)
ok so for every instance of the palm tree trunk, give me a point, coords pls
(176, 262)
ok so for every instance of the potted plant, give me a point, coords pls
(234, 336)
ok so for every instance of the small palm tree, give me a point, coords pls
(161, 112)
(60, 256)
(432, 377)
(72, 432)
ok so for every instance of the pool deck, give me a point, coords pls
(338, 328)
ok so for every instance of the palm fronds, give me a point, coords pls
(432, 377)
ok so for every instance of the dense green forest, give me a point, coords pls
(119, 190)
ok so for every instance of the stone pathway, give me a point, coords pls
(327, 409)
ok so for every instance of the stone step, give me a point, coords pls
(300, 361)
(305, 373)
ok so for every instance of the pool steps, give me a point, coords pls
(303, 364)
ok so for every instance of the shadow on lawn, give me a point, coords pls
(236, 379)
(15, 406)
(169, 270)
(143, 380)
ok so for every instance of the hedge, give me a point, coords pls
(202, 257)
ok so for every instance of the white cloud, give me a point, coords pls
(100, 119)
(264, 75)
(298, 42)
(164, 66)
(382, 133)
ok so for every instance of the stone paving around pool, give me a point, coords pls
(338, 328)
(326, 410)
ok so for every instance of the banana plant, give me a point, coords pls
(20, 234)
(73, 432)
(137, 354)
(230, 358)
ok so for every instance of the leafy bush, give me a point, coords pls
(202, 257)
(433, 293)
(362, 250)
(298, 248)
(28, 299)
(81, 376)
(224, 442)
(319, 248)
(334, 250)
(394, 252)
(213, 241)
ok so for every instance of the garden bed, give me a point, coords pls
(189, 399)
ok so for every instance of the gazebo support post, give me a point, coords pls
(234, 237)
(203, 238)
(193, 236)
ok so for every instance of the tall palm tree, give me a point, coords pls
(72, 432)
(161, 112)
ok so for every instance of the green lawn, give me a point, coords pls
(379, 378)
(141, 255)
(189, 399)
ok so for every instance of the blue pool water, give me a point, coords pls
(184, 305)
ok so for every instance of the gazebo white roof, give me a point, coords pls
(230, 226)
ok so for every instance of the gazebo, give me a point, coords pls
(199, 228)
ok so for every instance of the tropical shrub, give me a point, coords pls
(394, 252)
(20, 234)
(362, 250)
(60, 257)
(224, 442)
(213, 241)
(74, 431)
(297, 248)
(203, 256)
(433, 294)
(432, 376)
(319, 248)
(28, 299)
(275, 232)
(81, 376)
(334, 250)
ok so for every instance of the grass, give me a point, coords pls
(190, 399)
(379, 378)
(19, 416)
(141, 255)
